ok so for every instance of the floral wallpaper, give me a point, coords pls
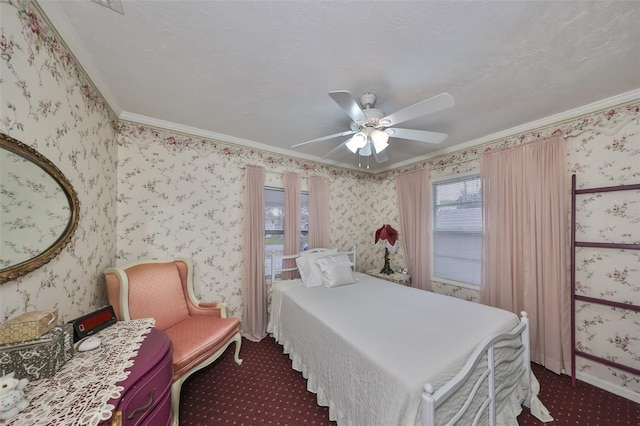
(603, 149)
(183, 196)
(152, 193)
(49, 104)
(608, 156)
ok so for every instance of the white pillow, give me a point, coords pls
(336, 270)
(310, 273)
(305, 271)
(334, 260)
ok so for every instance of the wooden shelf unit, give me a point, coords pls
(574, 296)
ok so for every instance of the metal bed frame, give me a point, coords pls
(517, 339)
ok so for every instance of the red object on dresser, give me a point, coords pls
(146, 398)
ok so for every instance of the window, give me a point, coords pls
(274, 222)
(457, 229)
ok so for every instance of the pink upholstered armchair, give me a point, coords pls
(163, 290)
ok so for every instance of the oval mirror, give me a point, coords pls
(38, 209)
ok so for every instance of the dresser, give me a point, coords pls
(146, 398)
(124, 381)
(402, 279)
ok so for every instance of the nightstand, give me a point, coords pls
(402, 279)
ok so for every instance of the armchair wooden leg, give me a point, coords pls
(177, 385)
(238, 339)
(175, 402)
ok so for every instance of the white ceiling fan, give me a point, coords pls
(371, 129)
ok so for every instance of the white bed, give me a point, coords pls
(377, 353)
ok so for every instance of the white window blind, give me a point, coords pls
(457, 229)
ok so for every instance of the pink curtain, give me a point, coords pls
(525, 253)
(254, 303)
(413, 194)
(292, 206)
(318, 212)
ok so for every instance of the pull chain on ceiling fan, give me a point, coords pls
(371, 129)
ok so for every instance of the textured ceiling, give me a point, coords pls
(258, 73)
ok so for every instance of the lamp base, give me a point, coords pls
(387, 269)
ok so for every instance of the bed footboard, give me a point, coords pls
(518, 340)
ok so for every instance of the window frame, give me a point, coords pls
(277, 232)
(433, 182)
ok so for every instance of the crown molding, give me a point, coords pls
(60, 26)
(551, 120)
(232, 140)
(537, 124)
(68, 37)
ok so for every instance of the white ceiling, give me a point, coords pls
(258, 72)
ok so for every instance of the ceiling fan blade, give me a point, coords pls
(417, 135)
(348, 104)
(325, 138)
(426, 107)
(337, 148)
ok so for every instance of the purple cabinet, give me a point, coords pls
(146, 398)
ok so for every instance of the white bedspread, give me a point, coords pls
(367, 349)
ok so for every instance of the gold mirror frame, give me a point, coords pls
(15, 271)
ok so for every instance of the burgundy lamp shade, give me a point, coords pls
(386, 237)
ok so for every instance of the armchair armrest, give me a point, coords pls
(208, 308)
(195, 306)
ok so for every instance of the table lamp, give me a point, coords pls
(386, 237)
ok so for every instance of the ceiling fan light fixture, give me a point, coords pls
(366, 150)
(359, 140)
(371, 128)
(380, 140)
(351, 144)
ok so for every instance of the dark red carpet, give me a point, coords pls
(265, 390)
(584, 405)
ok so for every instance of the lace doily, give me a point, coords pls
(78, 393)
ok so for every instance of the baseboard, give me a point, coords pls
(609, 387)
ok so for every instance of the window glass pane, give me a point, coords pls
(274, 219)
(459, 190)
(457, 256)
(458, 205)
(457, 229)
(459, 218)
(274, 222)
